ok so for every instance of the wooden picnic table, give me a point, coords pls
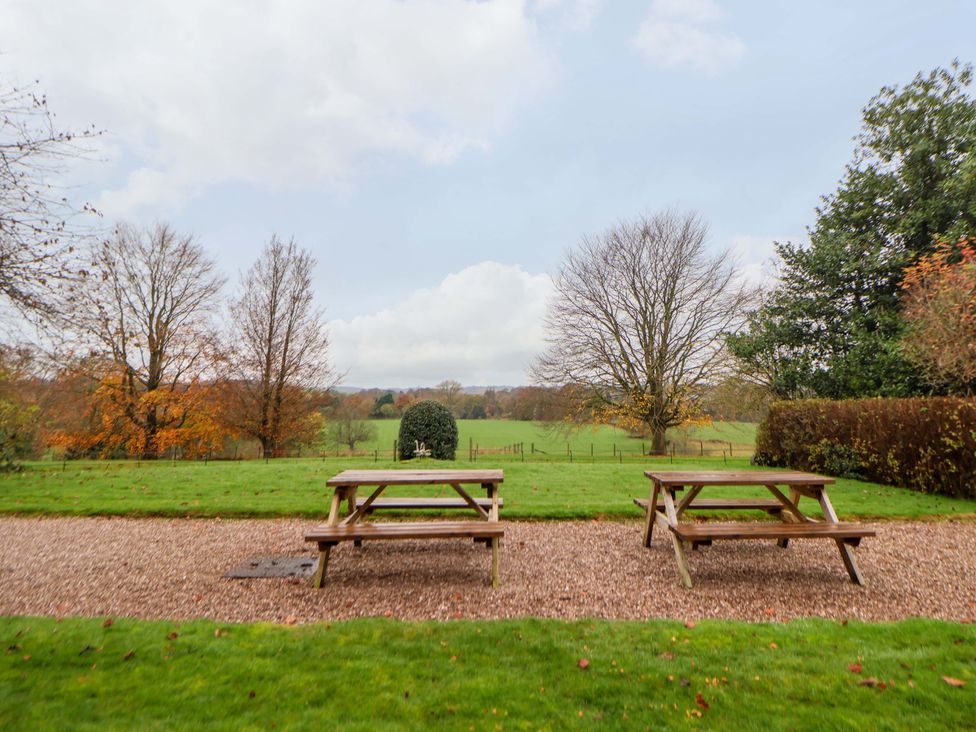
(793, 524)
(352, 528)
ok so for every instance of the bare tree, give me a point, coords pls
(147, 307)
(38, 230)
(637, 320)
(450, 392)
(280, 358)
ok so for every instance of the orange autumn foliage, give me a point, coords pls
(939, 296)
(188, 420)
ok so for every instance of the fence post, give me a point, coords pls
(396, 456)
(570, 456)
(533, 448)
(701, 444)
(730, 449)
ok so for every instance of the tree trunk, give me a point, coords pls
(149, 450)
(659, 444)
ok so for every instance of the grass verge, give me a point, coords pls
(523, 674)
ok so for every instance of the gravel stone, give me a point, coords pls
(173, 568)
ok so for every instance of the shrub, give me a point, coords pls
(432, 424)
(926, 444)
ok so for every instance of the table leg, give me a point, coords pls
(676, 543)
(324, 551)
(846, 553)
(651, 510)
(788, 517)
(495, 581)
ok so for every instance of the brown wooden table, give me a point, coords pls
(666, 485)
(352, 528)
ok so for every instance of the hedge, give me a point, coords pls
(926, 444)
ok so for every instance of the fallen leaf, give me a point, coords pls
(291, 620)
(27, 657)
(668, 656)
(769, 611)
(128, 655)
(953, 682)
(108, 623)
(173, 636)
(700, 701)
(690, 624)
(583, 663)
(251, 694)
(773, 646)
(855, 668)
(869, 681)
(685, 682)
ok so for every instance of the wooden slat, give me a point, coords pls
(414, 477)
(717, 504)
(406, 502)
(420, 530)
(708, 531)
(732, 477)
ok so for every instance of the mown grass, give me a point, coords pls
(600, 440)
(518, 674)
(296, 487)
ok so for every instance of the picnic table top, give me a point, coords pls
(732, 477)
(414, 477)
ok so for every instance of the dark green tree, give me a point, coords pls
(831, 327)
(432, 425)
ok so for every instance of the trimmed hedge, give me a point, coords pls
(432, 424)
(926, 444)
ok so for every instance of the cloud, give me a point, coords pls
(681, 34)
(572, 15)
(202, 92)
(480, 326)
(756, 258)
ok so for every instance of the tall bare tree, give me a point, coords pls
(38, 225)
(280, 357)
(637, 320)
(147, 306)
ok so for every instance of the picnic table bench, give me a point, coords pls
(793, 524)
(345, 485)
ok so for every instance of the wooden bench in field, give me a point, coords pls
(772, 507)
(328, 536)
(489, 529)
(794, 524)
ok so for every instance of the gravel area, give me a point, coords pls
(161, 568)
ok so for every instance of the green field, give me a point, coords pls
(604, 441)
(296, 487)
(521, 674)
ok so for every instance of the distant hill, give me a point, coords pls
(473, 390)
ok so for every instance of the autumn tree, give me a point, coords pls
(637, 321)
(147, 310)
(279, 350)
(940, 313)
(39, 227)
(347, 425)
(449, 392)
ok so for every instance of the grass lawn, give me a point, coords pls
(601, 440)
(522, 674)
(296, 487)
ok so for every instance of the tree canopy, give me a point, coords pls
(832, 326)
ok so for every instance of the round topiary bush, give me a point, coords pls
(432, 424)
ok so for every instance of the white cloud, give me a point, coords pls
(201, 92)
(756, 257)
(681, 34)
(482, 325)
(572, 15)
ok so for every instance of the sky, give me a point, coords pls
(440, 157)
